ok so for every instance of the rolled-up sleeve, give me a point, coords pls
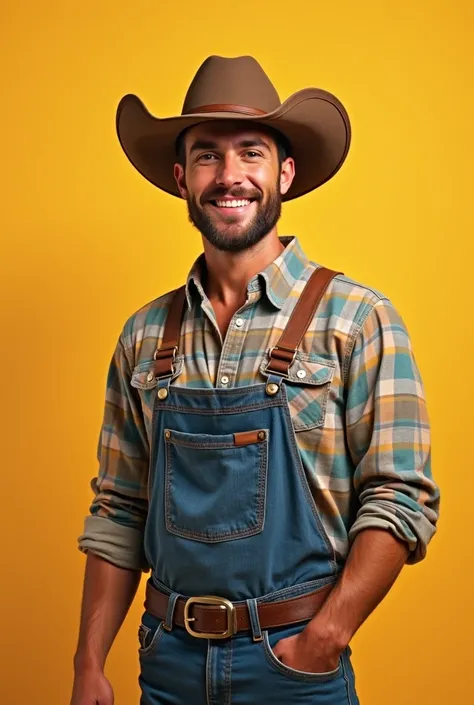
(114, 528)
(388, 434)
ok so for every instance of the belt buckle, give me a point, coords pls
(217, 602)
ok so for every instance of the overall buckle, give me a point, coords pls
(281, 357)
(217, 602)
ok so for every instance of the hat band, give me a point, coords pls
(227, 108)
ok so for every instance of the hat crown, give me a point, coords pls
(231, 81)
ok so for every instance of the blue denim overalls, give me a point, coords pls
(231, 515)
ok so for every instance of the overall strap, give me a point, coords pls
(165, 355)
(283, 354)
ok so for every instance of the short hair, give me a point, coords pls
(282, 144)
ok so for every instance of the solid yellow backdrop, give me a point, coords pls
(87, 241)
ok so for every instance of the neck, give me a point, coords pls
(228, 273)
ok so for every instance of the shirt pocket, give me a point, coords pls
(307, 387)
(143, 377)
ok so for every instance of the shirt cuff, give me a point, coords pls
(412, 527)
(118, 544)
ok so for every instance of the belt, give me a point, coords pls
(218, 618)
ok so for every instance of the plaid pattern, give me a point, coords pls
(357, 407)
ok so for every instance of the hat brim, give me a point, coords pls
(314, 121)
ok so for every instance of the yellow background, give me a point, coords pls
(86, 241)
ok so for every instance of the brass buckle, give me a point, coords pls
(218, 602)
(280, 347)
(164, 349)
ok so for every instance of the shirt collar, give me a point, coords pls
(277, 279)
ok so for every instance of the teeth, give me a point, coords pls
(232, 204)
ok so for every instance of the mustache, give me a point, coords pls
(233, 193)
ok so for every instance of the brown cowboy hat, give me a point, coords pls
(313, 121)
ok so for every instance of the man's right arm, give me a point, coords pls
(113, 532)
(108, 593)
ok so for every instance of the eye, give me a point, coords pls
(206, 157)
(252, 154)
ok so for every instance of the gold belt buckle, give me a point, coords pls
(217, 602)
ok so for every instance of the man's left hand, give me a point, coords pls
(308, 651)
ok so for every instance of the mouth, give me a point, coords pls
(232, 206)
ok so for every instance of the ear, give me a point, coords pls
(287, 175)
(180, 180)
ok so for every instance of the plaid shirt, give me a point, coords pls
(357, 407)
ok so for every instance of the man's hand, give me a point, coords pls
(91, 687)
(308, 651)
(375, 560)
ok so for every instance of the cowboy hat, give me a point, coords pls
(313, 121)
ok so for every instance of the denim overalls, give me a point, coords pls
(231, 514)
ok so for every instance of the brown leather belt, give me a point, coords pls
(217, 618)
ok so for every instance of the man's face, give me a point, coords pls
(233, 183)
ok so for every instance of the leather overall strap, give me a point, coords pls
(281, 355)
(166, 353)
(213, 620)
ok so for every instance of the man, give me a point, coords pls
(265, 439)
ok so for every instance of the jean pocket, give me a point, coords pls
(307, 676)
(150, 632)
(215, 486)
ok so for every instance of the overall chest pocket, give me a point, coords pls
(307, 388)
(215, 485)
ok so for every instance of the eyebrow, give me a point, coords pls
(209, 144)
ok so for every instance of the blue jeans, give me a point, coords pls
(178, 669)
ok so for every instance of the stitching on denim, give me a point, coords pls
(229, 535)
(346, 678)
(211, 391)
(254, 619)
(224, 445)
(258, 406)
(143, 632)
(209, 695)
(169, 619)
(306, 487)
(260, 501)
(228, 673)
(297, 675)
(151, 648)
(295, 590)
(154, 441)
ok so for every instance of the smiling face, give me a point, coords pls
(233, 182)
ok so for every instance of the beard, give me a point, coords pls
(262, 223)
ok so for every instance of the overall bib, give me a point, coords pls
(231, 515)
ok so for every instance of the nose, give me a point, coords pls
(229, 172)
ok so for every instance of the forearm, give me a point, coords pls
(373, 564)
(107, 595)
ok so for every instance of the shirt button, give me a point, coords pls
(239, 322)
(150, 377)
(301, 374)
(224, 380)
